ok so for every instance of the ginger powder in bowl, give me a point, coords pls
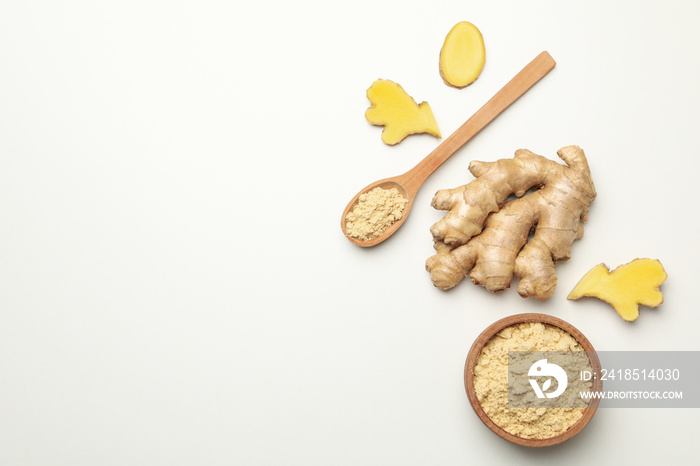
(522, 378)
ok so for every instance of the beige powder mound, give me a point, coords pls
(376, 210)
(491, 381)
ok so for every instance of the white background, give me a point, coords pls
(174, 285)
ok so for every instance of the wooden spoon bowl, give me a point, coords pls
(397, 182)
(492, 330)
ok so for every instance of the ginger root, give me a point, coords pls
(462, 55)
(400, 115)
(626, 287)
(488, 234)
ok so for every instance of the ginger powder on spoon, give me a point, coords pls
(376, 210)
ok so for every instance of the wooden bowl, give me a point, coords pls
(496, 327)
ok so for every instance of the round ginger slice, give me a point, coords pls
(462, 55)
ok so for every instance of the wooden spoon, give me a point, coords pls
(410, 182)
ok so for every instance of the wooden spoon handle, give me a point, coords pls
(521, 82)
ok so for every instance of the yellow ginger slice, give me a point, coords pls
(462, 55)
(626, 287)
(400, 115)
